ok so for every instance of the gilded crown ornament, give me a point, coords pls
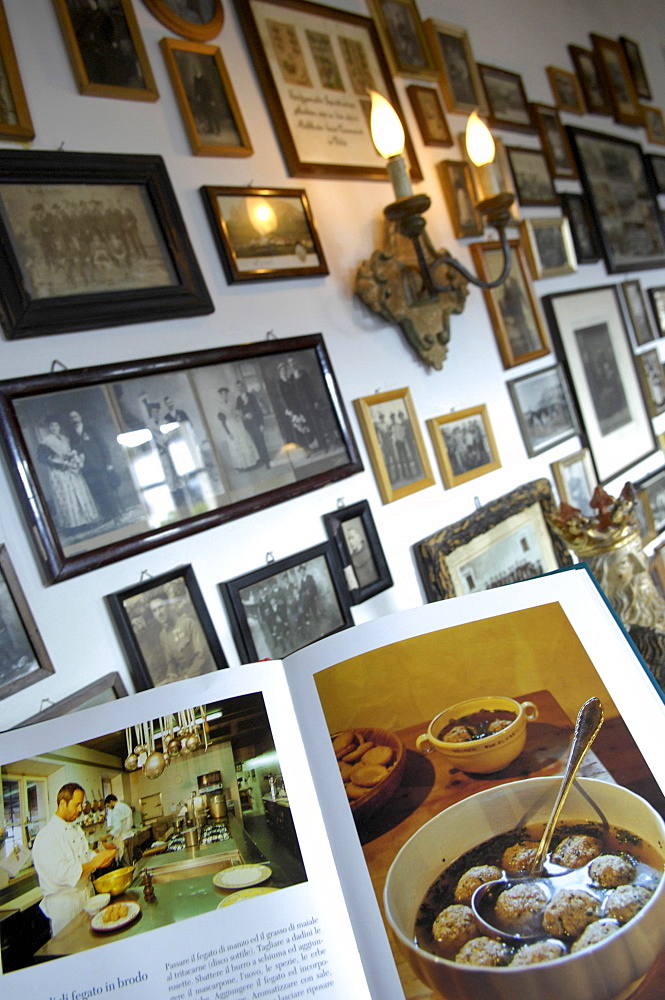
(613, 526)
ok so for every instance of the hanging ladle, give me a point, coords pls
(589, 721)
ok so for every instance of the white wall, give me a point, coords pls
(366, 354)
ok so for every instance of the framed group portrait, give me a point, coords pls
(353, 531)
(15, 119)
(544, 409)
(24, 659)
(464, 445)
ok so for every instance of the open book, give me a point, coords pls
(231, 922)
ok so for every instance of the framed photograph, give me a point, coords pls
(513, 306)
(585, 241)
(657, 569)
(618, 80)
(575, 480)
(507, 103)
(504, 541)
(464, 445)
(198, 21)
(654, 124)
(591, 341)
(166, 630)
(544, 409)
(132, 263)
(264, 233)
(106, 50)
(637, 311)
(205, 96)
(533, 180)
(651, 372)
(15, 121)
(336, 58)
(657, 300)
(288, 604)
(110, 687)
(636, 67)
(591, 80)
(657, 165)
(651, 492)
(549, 246)
(429, 115)
(458, 191)
(622, 198)
(459, 78)
(554, 141)
(565, 90)
(115, 460)
(403, 37)
(23, 656)
(353, 531)
(390, 427)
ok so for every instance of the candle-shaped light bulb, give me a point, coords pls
(479, 142)
(388, 138)
(262, 216)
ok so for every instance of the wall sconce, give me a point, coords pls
(400, 281)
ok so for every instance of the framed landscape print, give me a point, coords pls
(592, 342)
(23, 656)
(513, 306)
(403, 37)
(622, 198)
(353, 531)
(504, 541)
(585, 242)
(106, 50)
(264, 233)
(131, 262)
(544, 409)
(328, 58)
(637, 312)
(650, 368)
(533, 181)
(198, 21)
(591, 80)
(549, 246)
(636, 67)
(207, 102)
(288, 604)
(166, 629)
(565, 90)
(15, 120)
(429, 115)
(576, 480)
(464, 445)
(458, 191)
(618, 80)
(554, 141)
(115, 460)
(458, 74)
(390, 427)
(657, 300)
(507, 103)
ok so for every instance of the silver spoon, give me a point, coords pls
(589, 721)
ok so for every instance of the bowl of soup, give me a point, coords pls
(467, 833)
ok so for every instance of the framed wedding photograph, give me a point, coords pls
(396, 449)
(622, 198)
(457, 187)
(651, 492)
(459, 78)
(591, 80)
(15, 119)
(618, 79)
(565, 90)
(654, 124)
(575, 480)
(652, 376)
(429, 114)
(657, 300)
(591, 341)
(166, 629)
(464, 445)
(637, 312)
(513, 307)
(636, 66)
(504, 541)
(352, 530)
(336, 57)
(210, 112)
(507, 103)
(554, 141)
(403, 37)
(287, 604)
(114, 460)
(544, 409)
(23, 656)
(106, 50)
(132, 261)
(264, 233)
(657, 166)
(199, 22)
(533, 180)
(110, 687)
(549, 246)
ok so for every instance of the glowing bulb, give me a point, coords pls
(386, 128)
(479, 141)
(261, 215)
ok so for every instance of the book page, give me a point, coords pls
(242, 901)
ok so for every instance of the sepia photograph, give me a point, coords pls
(544, 409)
(429, 115)
(464, 445)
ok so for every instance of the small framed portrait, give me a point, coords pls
(636, 308)
(591, 80)
(23, 656)
(198, 21)
(507, 103)
(565, 90)
(353, 531)
(657, 166)
(651, 492)
(585, 241)
(636, 66)
(458, 74)
(575, 480)
(458, 191)
(110, 687)
(429, 115)
(394, 442)
(464, 445)
(403, 37)
(554, 141)
(533, 180)
(165, 629)
(205, 96)
(654, 124)
(264, 233)
(549, 246)
(618, 80)
(651, 373)
(15, 120)
(544, 409)
(657, 300)
(288, 604)
(513, 306)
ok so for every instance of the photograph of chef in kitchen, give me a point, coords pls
(184, 809)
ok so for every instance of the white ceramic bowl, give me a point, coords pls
(606, 971)
(97, 903)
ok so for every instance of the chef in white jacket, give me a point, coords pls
(64, 861)
(120, 824)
